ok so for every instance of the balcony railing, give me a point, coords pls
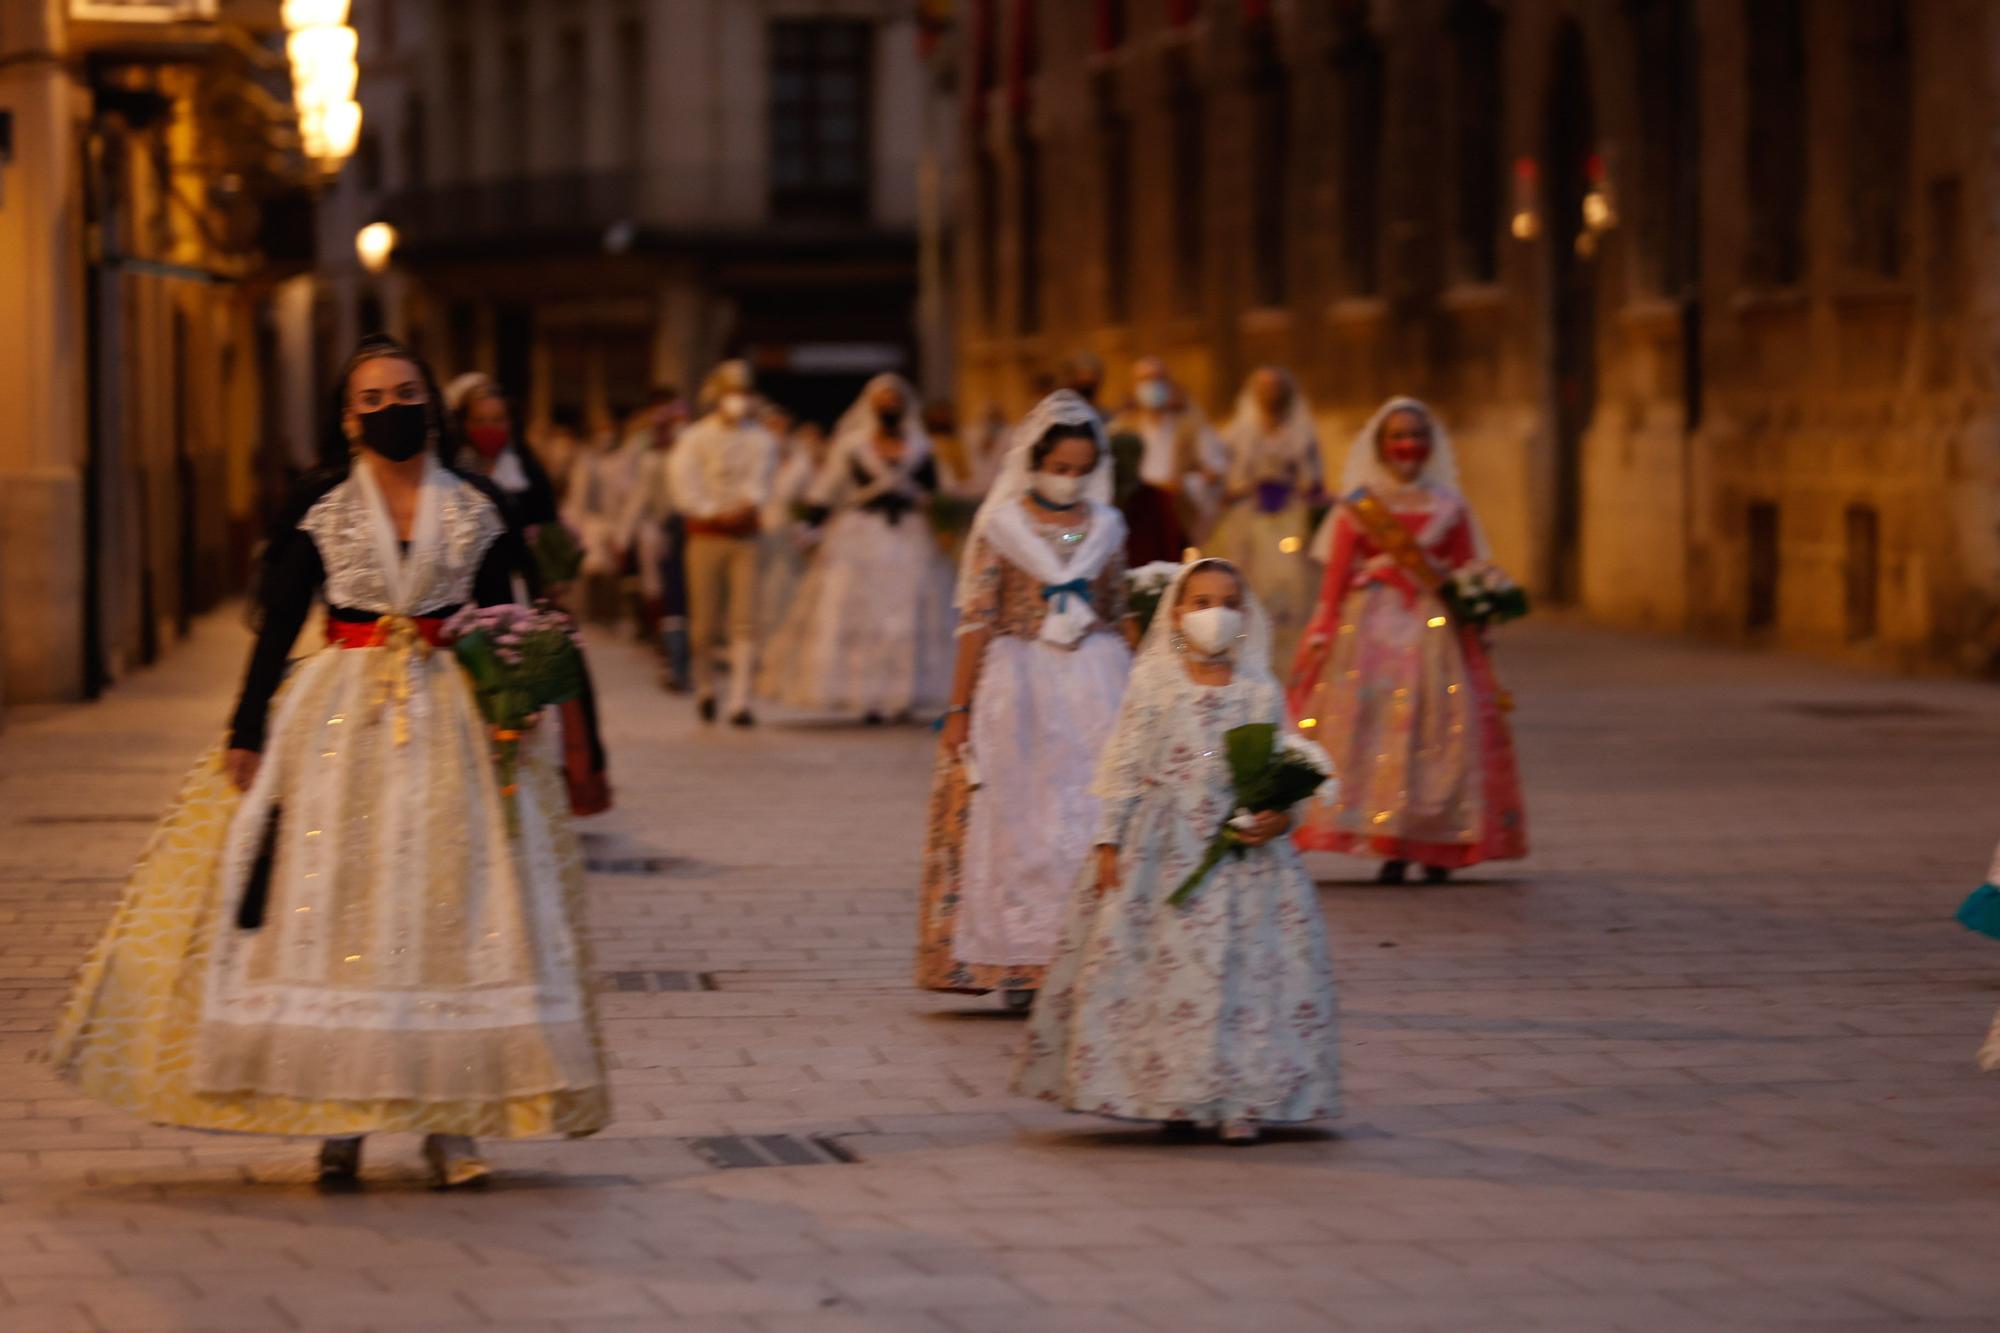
(606, 209)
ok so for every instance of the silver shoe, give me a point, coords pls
(455, 1162)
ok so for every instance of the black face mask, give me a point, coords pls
(891, 418)
(398, 432)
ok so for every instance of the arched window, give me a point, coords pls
(1114, 144)
(1108, 25)
(1663, 201)
(1028, 232)
(1878, 132)
(1775, 188)
(986, 204)
(1477, 33)
(1270, 166)
(1359, 67)
(1187, 128)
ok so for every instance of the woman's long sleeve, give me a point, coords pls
(288, 598)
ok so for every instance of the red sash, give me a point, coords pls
(375, 633)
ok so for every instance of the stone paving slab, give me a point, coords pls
(1704, 1062)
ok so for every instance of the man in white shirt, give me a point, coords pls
(721, 472)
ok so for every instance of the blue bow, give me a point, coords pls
(1058, 594)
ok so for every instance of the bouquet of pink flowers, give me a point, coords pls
(521, 659)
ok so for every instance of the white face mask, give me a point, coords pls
(1213, 630)
(735, 406)
(1058, 490)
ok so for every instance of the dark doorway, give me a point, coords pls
(513, 349)
(1570, 134)
(1760, 602)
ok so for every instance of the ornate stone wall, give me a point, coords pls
(1754, 401)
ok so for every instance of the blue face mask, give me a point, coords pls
(1154, 394)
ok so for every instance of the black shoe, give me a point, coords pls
(872, 718)
(707, 710)
(742, 717)
(1180, 1131)
(1392, 872)
(1436, 874)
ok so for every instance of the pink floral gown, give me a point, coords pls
(1406, 703)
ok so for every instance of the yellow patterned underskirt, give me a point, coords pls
(128, 1036)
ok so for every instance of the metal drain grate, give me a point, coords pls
(629, 865)
(1867, 710)
(729, 1151)
(658, 981)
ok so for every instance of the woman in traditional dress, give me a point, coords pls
(783, 532)
(1042, 660)
(483, 442)
(333, 932)
(869, 633)
(1275, 479)
(491, 447)
(1401, 695)
(1218, 1013)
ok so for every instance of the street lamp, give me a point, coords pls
(373, 245)
(322, 50)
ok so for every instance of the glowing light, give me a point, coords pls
(1308, 723)
(373, 245)
(1526, 225)
(1190, 554)
(1437, 622)
(314, 14)
(322, 50)
(1598, 215)
(1289, 545)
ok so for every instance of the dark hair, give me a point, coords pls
(333, 442)
(1055, 435)
(335, 455)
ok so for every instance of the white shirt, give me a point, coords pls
(717, 468)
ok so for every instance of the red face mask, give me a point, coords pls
(1409, 453)
(488, 440)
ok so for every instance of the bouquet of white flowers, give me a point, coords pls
(1480, 594)
(1145, 586)
(1272, 769)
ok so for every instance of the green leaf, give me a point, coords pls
(1250, 749)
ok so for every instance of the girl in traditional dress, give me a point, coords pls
(1042, 660)
(1401, 695)
(1220, 1012)
(333, 932)
(1275, 478)
(869, 633)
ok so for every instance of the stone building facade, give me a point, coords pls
(152, 202)
(1706, 290)
(592, 198)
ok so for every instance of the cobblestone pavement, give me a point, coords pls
(1705, 1062)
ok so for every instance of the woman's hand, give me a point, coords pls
(956, 731)
(1108, 878)
(1268, 826)
(241, 767)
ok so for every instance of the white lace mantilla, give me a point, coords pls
(456, 526)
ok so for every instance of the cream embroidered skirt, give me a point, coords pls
(418, 968)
